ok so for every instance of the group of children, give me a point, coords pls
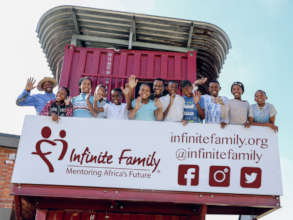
(191, 107)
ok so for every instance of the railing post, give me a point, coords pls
(203, 212)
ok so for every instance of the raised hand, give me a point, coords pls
(219, 100)
(125, 91)
(55, 117)
(30, 84)
(132, 81)
(88, 95)
(274, 127)
(246, 124)
(184, 122)
(196, 97)
(200, 81)
(158, 103)
(67, 101)
(138, 103)
(97, 96)
(223, 124)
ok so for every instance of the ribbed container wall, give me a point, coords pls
(112, 68)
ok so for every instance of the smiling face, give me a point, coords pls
(237, 92)
(116, 97)
(260, 98)
(61, 95)
(48, 86)
(101, 91)
(144, 91)
(85, 86)
(158, 87)
(214, 89)
(187, 90)
(172, 88)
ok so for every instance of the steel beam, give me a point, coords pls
(73, 41)
(130, 39)
(134, 28)
(126, 43)
(132, 33)
(75, 23)
(76, 26)
(190, 35)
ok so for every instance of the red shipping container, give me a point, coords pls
(112, 68)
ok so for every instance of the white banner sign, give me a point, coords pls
(148, 155)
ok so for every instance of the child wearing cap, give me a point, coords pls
(238, 108)
(61, 106)
(38, 100)
(83, 103)
(262, 113)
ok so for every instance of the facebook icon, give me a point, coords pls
(188, 175)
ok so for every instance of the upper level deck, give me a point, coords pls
(98, 28)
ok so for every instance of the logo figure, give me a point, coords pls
(250, 177)
(46, 133)
(188, 175)
(219, 176)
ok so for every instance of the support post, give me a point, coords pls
(73, 41)
(247, 217)
(203, 212)
(76, 28)
(130, 39)
(190, 35)
(17, 207)
(132, 33)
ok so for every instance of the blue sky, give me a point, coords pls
(261, 55)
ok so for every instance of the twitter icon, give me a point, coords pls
(250, 177)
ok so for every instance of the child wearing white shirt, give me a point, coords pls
(115, 109)
(173, 104)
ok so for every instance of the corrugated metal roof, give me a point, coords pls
(105, 28)
(9, 140)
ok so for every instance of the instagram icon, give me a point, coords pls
(219, 176)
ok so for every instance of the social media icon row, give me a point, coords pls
(219, 176)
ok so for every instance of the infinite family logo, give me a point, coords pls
(46, 133)
(84, 156)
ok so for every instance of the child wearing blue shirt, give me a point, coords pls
(83, 103)
(216, 107)
(143, 108)
(194, 104)
(262, 113)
